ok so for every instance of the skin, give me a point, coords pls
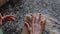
(35, 24)
(6, 18)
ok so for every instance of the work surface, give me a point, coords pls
(49, 8)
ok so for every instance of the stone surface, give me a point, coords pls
(50, 8)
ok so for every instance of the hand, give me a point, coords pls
(35, 23)
(6, 18)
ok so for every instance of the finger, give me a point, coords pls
(26, 24)
(29, 20)
(12, 19)
(39, 18)
(32, 17)
(41, 23)
(44, 23)
(8, 16)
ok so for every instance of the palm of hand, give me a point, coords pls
(35, 24)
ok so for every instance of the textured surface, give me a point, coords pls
(50, 8)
